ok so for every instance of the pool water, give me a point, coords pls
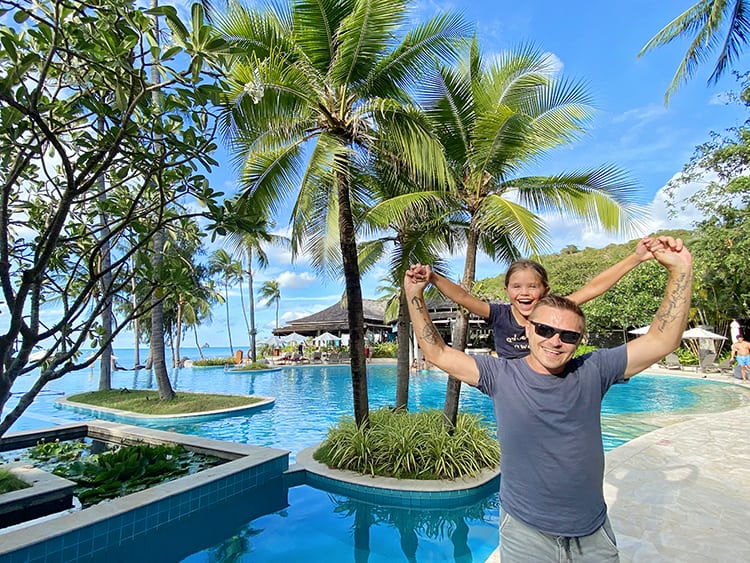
(322, 526)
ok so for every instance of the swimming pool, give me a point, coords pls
(318, 525)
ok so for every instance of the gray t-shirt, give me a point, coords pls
(549, 429)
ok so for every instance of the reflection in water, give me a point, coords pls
(319, 526)
(441, 524)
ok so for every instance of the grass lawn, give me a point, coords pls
(148, 402)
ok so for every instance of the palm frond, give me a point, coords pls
(600, 197)
(436, 40)
(363, 35)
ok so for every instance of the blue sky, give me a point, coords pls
(596, 42)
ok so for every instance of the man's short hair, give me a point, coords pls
(559, 302)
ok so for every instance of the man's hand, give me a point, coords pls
(416, 280)
(642, 251)
(670, 253)
(420, 272)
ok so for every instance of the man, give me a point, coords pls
(741, 351)
(548, 408)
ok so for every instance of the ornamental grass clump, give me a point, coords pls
(10, 483)
(408, 445)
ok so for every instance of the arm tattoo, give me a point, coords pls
(430, 334)
(673, 303)
(417, 302)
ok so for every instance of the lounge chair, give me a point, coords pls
(298, 358)
(317, 357)
(333, 358)
(672, 361)
(708, 363)
(725, 366)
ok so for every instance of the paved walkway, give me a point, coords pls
(682, 493)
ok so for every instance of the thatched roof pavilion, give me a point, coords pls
(334, 320)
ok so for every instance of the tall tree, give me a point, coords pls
(250, 242)
(318, 93)
(157, 355)
(61, 130)
(709, 25)
(229, 271)
(721, 240)
(496, 118)
(412, 228)
(270, 293)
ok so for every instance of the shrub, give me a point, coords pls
(583, 349)
(252, 367)
(385, 350)
(686, 357)
(408, 445)
(212, 362)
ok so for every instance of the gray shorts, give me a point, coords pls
(521, 544)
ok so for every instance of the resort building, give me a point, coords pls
(377, 329)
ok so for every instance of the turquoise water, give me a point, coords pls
(322, 526)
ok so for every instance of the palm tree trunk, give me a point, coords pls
(158, 357)
(178, 335)
(136, 322)
(229, 329)
(197, 344)
(253, 344)
(244, 314)
(402, 362)
(461, 330)
(105, 267)
(355, 311)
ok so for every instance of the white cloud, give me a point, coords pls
(295, 280)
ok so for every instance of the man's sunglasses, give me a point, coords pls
(566, 336)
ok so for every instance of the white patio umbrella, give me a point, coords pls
(294, 338)
(702, 333)
(272, 341)
(325, 337)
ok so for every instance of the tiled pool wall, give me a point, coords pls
(175, 519)
(404, 498)
(105, 531)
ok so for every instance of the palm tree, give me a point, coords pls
(414, 230)
(157, 355)
(494, 119)
(229, 270)
(320, 92)
(709, 24)
(250, 238)
(269, 292)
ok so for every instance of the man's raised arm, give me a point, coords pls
(666, 329)
(436, 351)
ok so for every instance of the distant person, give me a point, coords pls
(741, 351)
(548, 411)
(526, 283)
(735, 330)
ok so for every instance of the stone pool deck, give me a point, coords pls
(682, 493)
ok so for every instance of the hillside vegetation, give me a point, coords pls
(629, 304)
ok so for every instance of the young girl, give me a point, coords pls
(526, 283)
